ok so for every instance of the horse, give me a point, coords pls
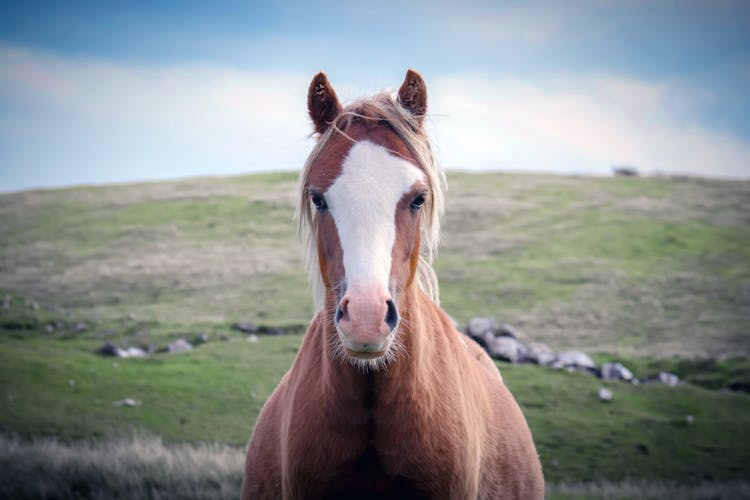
(385, 399)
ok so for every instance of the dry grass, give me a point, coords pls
(133, 468)
(144, 467)
(650, 490)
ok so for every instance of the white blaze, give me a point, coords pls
(362, 201)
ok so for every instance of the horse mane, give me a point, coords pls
(382, 108)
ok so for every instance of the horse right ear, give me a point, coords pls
(322, 103)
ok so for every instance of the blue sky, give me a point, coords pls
(94, 92)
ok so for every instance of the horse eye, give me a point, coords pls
(319, 202)
(418, 202)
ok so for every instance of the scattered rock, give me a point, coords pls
(605, 394)
(270, 330)
(78, 327)
(179, 345)
(507, 330)
(129, 402)
(109, 349)
(665, 378)
(252, 338)
(689, 419)
(615, 371)
(624, 171)
(482, 330)
(132, 352)
(201, 338)
(574, 359)
(50, 327)
(245, 327)
(540, 354)
(506, 349)
(223, 338)
(6, 302)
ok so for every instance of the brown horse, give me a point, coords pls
(385, 399)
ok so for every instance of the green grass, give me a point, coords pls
(651, 272)
(643, 266)
(54, 383)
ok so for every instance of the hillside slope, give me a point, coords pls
(652, 267)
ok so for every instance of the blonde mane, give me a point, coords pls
(382, 107)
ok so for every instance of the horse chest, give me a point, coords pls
(378, 453)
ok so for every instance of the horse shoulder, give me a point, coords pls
(265, 462)
(510, 466)
(263, 477)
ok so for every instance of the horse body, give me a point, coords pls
(381, 402)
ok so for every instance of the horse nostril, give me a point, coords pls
(341, 310)
(391, 317)
(339, 315)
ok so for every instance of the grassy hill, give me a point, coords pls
(633, 266)
(653, 272)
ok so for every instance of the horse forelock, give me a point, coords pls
(382, 110)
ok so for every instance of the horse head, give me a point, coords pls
(369, 189)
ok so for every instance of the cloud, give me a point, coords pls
(585, 123)
(70, 120)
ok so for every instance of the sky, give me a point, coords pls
(121, 91)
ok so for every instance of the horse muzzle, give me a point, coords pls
(366, 323)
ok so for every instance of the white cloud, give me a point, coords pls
(67, 120)
(75, 120)
(582, 124)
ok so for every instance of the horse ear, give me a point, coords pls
(322, 103)
(413, 95)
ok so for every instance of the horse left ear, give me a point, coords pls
(413, 95)
(322, 103)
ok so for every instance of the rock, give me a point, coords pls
(50, 327)
(547, 359)
(224, 338)
(625, 171)
(483, 330)
(252, 338)
(665, 378)
(132, 352)
(605, 394)
(201, 338)
(540, 354)
(615, 371)
(507, 330)
(507, 349)
(179, 345)
(78, 327)
(270, 330)
(479, 327)
(109, 349)
(245, 327)
(129, 402)
(6, 302)
(689, 419)
(573, 358)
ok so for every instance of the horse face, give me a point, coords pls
(368, 195)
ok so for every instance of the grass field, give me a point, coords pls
(653, 272)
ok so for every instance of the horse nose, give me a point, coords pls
(366, 318)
